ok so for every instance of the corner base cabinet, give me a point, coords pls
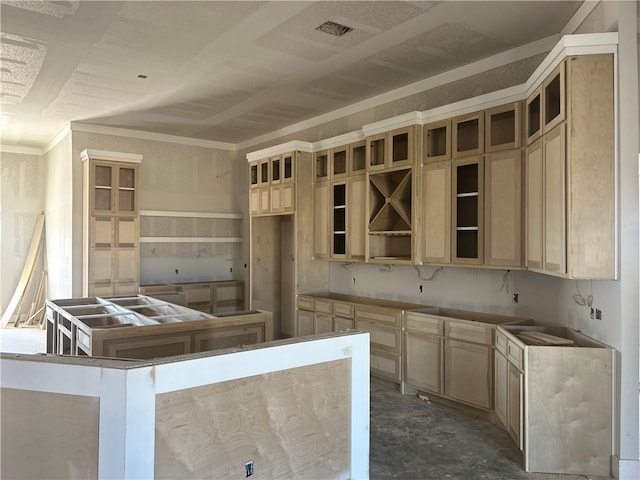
(554, 391)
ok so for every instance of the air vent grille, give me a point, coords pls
(333, 28)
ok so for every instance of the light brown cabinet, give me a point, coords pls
(468, 135)
(394, 149)
(560, 430)
(436, 211)
(570, 189)
(424, 337)
(503, 127)
(436, 143)
(503, 208)
(468, 211)
(321, 212)
(272, 185)
(111, 223)
(220, 296)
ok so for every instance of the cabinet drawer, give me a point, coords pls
(379, 315)
(322, 323)
(382, 337)
(344, 310)
(469, 331)
(419, 322)
(515, 354)
(323, 306)
(501, 343)
(305, 303)
(385, 365)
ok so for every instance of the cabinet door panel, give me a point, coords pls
(341, 324)
(555, 230)
(101, 265)
(468, 373)
(436, 188)
(322, 323)
(126, 260)
(384, 338)
(102, 231)
(515, 416)
(503, 209)
(288, 197)
(385, 365)
(321, 194)
(276, 198)
(127, 231)
(254, 200)
(534, 205)
(424, 361)
(264, 200)
(357, 226)
(305, 323)
(501, 380)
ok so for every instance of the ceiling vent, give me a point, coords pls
(333, 28)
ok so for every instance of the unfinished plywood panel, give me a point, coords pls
(290, 424)
(266, 266)
(569, 410)
(37, 441)
(591, 196)
(436, 194)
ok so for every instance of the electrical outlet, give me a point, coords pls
(598, 314)
(248, 469)
(420, 288)
(515, 298)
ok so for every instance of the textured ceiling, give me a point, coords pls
(231, 71)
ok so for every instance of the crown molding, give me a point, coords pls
(399, 121)
(158, 137)
(21, 150)
(87, 154)
(57, 138)
(494, 61)
(570, 45)
(293, 146)
(338, 140)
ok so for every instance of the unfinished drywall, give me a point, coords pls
(60, 217)
(175, 177)
(288, 424)
(22, 199)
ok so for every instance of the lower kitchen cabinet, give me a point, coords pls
(305, 323)
(322, 323)
(423, 361)
(558, 389)
(468, 375)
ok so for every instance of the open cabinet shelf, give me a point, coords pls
(390, 216)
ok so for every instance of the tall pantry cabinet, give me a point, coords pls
(110, 223)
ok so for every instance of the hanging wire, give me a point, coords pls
(580, 300)
(421, 274)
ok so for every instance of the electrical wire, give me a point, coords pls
(433, 276)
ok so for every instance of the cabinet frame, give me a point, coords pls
(558, 72)
(489, 127)
(480, 212)
(432, 135)
(457, 139)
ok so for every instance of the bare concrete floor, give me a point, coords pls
(410, 438)
(419, 440)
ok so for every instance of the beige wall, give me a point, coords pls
(22, 199)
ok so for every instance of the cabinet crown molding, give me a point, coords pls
(388, 124)
(338, 140)
(87, 154)
(294, 145)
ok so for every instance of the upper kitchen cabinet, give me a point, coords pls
(503, 127)
(339, 162)
(533, 116)
(272, 185)
(467, 211)
(358, 158)
(436, 142)
(394, 149)
(321, 166)
(468, 135)
(573, 197)
(553, 98)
